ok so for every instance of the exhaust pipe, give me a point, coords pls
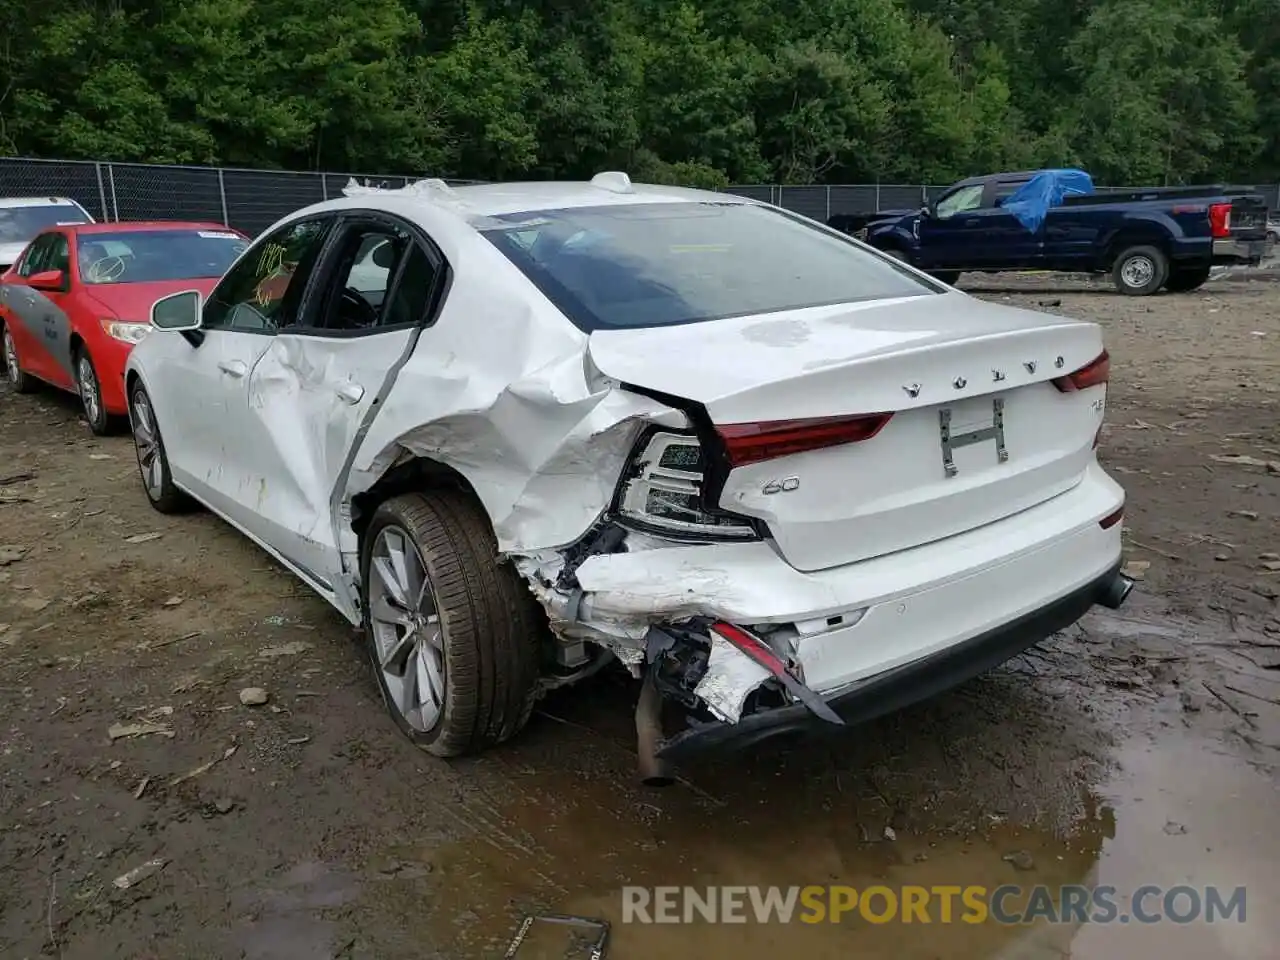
(1116, 592)
(654, 771)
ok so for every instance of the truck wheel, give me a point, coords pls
(1183, 281)
(1140, 271)
(949, 277)
(895, 253)
(452, 631)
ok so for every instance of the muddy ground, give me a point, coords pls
(1135, 748)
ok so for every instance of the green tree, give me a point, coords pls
(1163, 95)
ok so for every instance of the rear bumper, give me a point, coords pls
(1232, 250)
(883, 693)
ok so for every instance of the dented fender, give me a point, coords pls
(539, 434)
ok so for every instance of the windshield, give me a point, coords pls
(141, 256)
(656, 264)
(20, 224)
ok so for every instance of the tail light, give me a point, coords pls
(1220, 219)
(664, 492)
(1111, 519)
(754, 442)
(1092, 374)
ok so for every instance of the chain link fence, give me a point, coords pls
(252, 200)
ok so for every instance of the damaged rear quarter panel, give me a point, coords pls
(501, 389)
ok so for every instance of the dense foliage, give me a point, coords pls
(706, 92)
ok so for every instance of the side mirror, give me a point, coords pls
(178, 312)
(927, 209)
(48, 280)
(384, 256)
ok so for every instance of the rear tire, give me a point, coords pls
(949, 277)
(1140, 271)
(453, 633)
(20, 381)
(1184, 281)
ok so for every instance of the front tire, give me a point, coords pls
(153, 462)
(452, 632)
(1140, 271)
(1184, 281)
(90, 390)
(949, 277)
(20, 381)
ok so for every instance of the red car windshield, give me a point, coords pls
(143, 256)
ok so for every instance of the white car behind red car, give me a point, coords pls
(789, 482)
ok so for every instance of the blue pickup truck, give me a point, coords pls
(1147, 239)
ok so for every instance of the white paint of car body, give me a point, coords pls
(538, 424)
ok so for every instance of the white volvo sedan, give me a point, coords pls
(788, 482)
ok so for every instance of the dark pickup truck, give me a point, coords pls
(1147, 239)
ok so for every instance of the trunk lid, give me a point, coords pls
(941, 364)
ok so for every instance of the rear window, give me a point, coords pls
(649, 265)
(142, 256)
(20, 224)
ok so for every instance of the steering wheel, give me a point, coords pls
(106, 270)
(357, 309)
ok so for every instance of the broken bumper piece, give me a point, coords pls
(901, 686)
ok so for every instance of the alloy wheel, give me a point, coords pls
(408, 637)
(11, 358)
(88, 382)
(146, 441)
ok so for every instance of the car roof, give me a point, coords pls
(135, 226)
(1010, 175)
(37, 202)
(476, 201)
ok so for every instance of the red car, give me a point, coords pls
(79, 297)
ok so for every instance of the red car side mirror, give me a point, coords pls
(48, 280)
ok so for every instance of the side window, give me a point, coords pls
(963, 200)
(381, 278)
(59, 255)
(263, 292)
(412, 294)
(37, 254)
(1007, 188)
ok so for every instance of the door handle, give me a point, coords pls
(349, 392)
(972, 222)
(234, 368)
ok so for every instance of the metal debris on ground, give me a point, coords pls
(205, 767)
(143, 538)
(124, 731)
(139, 873)
(597, 949)
(290, 649)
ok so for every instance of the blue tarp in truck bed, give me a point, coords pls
(1030, 203)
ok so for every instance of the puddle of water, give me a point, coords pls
(1229, 811)
(568, 846)
(284, 921)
